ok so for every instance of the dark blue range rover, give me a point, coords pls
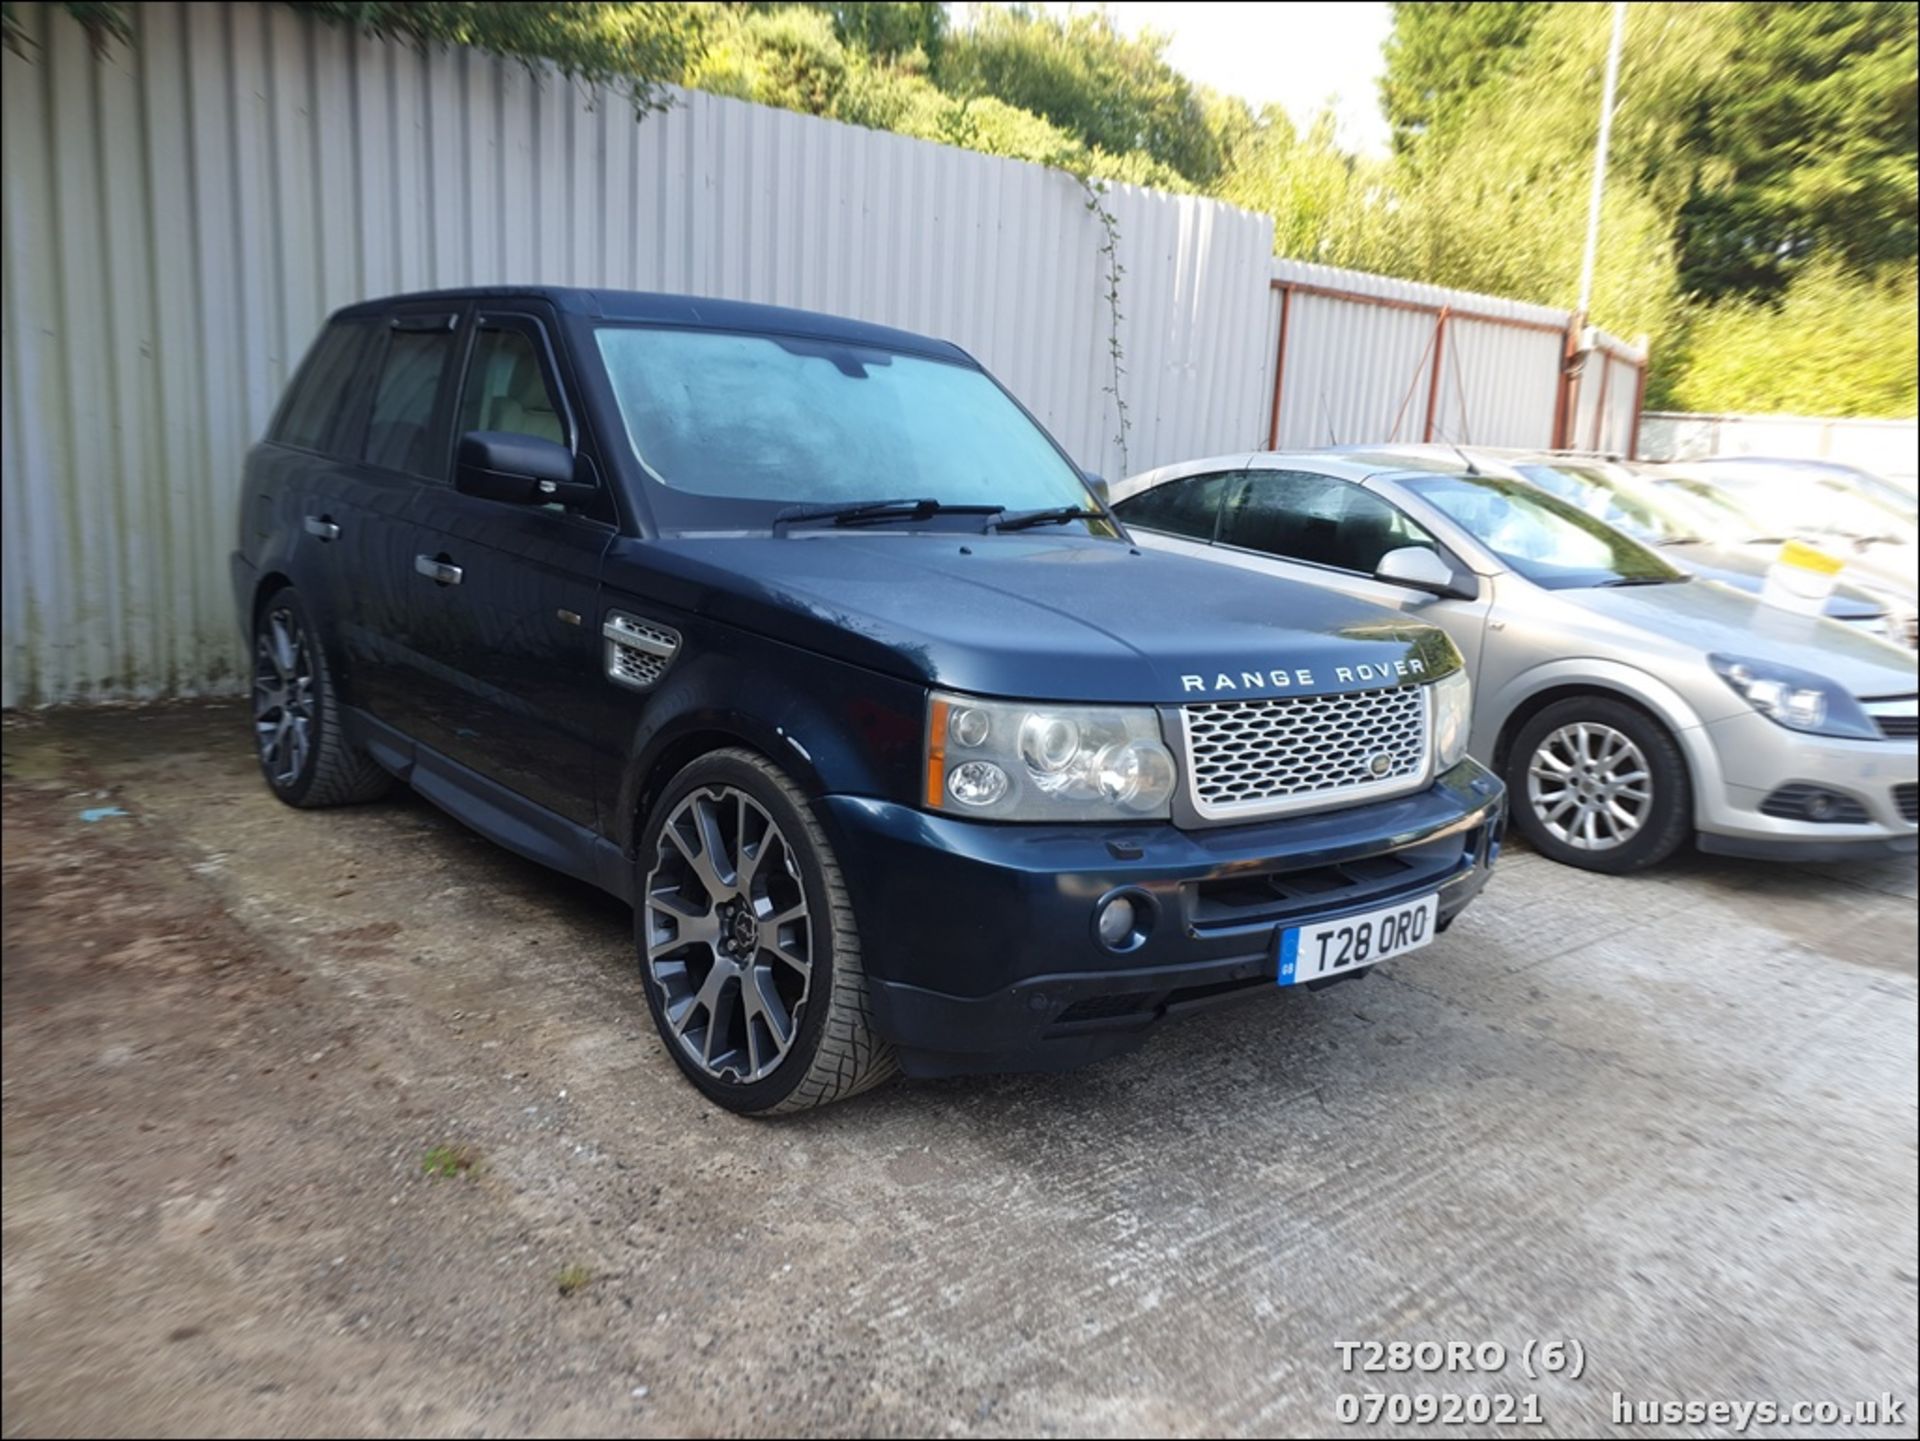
(805, 638)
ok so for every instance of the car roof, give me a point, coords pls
(1357, 463)
(690, 311)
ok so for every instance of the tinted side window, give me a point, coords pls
(318, 394)
(1317, 519)
(507, 389)
(401, 434)
(1180, 507)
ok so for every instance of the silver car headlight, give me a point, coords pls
(1021, 761)
(1452, 719)
(1794, 698)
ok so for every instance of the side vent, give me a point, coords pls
(638, 651)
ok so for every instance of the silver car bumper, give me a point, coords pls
(1753, 759)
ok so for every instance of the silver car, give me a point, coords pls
(1763, 502)
(1628, 704)
(1658, 516)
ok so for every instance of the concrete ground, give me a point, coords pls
(1671, 1118)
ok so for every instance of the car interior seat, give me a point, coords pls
(517, 401)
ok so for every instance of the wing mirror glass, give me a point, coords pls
(518, 469)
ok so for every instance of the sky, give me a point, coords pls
(1302, 55)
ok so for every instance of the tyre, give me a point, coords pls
(1599, 784)
(298, 724)
(747, 943)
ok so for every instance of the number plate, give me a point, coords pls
(1332, 948)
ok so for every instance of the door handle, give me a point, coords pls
(319, 525)
(437, 571)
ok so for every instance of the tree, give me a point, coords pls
(1110, 92)
(1812, 132)
(887, 29)
(1439, 53)
(635, 47)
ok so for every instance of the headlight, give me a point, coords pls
(1796, 699)
(1016, 761)
(1899, 618)
(1452, 719)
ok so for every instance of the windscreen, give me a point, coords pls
(1600, 495)
(728, 417)
(1803, 504)
(1551, 543)
(1714, 513)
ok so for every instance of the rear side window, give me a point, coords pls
(1317, 519)
(401, 433)
(1181, 507)
(317, 397)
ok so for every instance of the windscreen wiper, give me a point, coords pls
(1059, 514)
(873, 512)
(1645, 580)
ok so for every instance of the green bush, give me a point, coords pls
(789, 58)
(1838, 344)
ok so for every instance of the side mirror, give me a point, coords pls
(1098, 485)
(1422, 569)
(517, 469)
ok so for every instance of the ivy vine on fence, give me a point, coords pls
(1110, 260)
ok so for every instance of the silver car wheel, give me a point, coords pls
(283, 699)
(1590, 786)
(728, 935)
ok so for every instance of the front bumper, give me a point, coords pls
(1758, 758)
(979, 940)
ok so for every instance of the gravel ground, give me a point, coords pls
(1671, 1118)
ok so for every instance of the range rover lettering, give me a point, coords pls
(804, 638)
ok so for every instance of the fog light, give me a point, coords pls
(977, 783)
(1114, 924)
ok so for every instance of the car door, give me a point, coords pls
(506, 594)
(392, 447)
(1335, 532)
(302, 480)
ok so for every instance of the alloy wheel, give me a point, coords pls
(728, 934)
(1590, 786)
(284, 704)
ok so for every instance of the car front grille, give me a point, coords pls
(1895, 715)
(1248, 758)
(1907, 798)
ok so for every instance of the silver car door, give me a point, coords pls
(1327, 531)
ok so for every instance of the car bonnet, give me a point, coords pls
(1056, 617)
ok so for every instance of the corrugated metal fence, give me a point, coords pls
(180, 217)
(1365, 358)
(1890, 447)
(181, 214)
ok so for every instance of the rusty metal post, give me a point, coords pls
(1639, 405)
(1600, 401)
(1433, 381)
(1566, 390)
(1279, 363)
